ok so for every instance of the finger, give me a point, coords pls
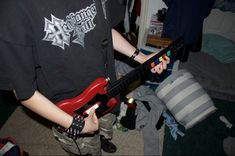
(159, 68)
(95, 118)
(153, 70)
(167, 60)
(164, 64)
(91, 113)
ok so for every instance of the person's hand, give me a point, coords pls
(159, 67)
(91, 123)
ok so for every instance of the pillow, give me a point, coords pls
(218, 46)
(185, 98)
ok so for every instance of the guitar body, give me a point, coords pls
(93, 96)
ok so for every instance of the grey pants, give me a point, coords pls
(87, 144)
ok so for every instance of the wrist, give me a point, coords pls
(135, 54)
(76, 126)
(141, 58)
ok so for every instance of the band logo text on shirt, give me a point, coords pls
(74, 28)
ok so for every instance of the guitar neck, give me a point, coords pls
(139, 72)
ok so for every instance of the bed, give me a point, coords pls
(214, 66)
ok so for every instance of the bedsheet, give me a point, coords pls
(217, 78)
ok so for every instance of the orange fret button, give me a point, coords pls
(152, 64)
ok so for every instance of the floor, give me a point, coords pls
(34, 135)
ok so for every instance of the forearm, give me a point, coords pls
(121, 45)
(44, 107)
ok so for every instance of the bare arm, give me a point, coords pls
(45, 108)
(123, 46)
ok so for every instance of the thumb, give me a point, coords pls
(91, 114)
(95, 119)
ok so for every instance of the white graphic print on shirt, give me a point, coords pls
(103, 2)
(76, 24)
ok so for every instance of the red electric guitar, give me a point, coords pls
(100, 94)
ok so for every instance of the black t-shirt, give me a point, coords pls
(58, 46)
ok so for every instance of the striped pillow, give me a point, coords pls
(185, 98)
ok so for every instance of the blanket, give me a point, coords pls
(215, 77)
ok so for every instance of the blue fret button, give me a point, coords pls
(168, 53)
(156, 61)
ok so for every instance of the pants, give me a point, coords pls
(87, 143)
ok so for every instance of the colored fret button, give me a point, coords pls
(156, 61)
(168, 53)
(160, 59)
(152, 64)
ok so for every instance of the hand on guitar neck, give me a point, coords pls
(161, 66)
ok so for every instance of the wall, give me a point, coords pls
(148, 7)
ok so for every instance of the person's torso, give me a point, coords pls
(71, 44)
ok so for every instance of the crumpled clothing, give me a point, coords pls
(122, 68)
(172, 124)
(147, 119)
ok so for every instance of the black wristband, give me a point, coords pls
(76, 127)
(136, 53)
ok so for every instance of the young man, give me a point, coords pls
(52, 50)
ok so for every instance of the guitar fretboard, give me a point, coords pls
(141, 71)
